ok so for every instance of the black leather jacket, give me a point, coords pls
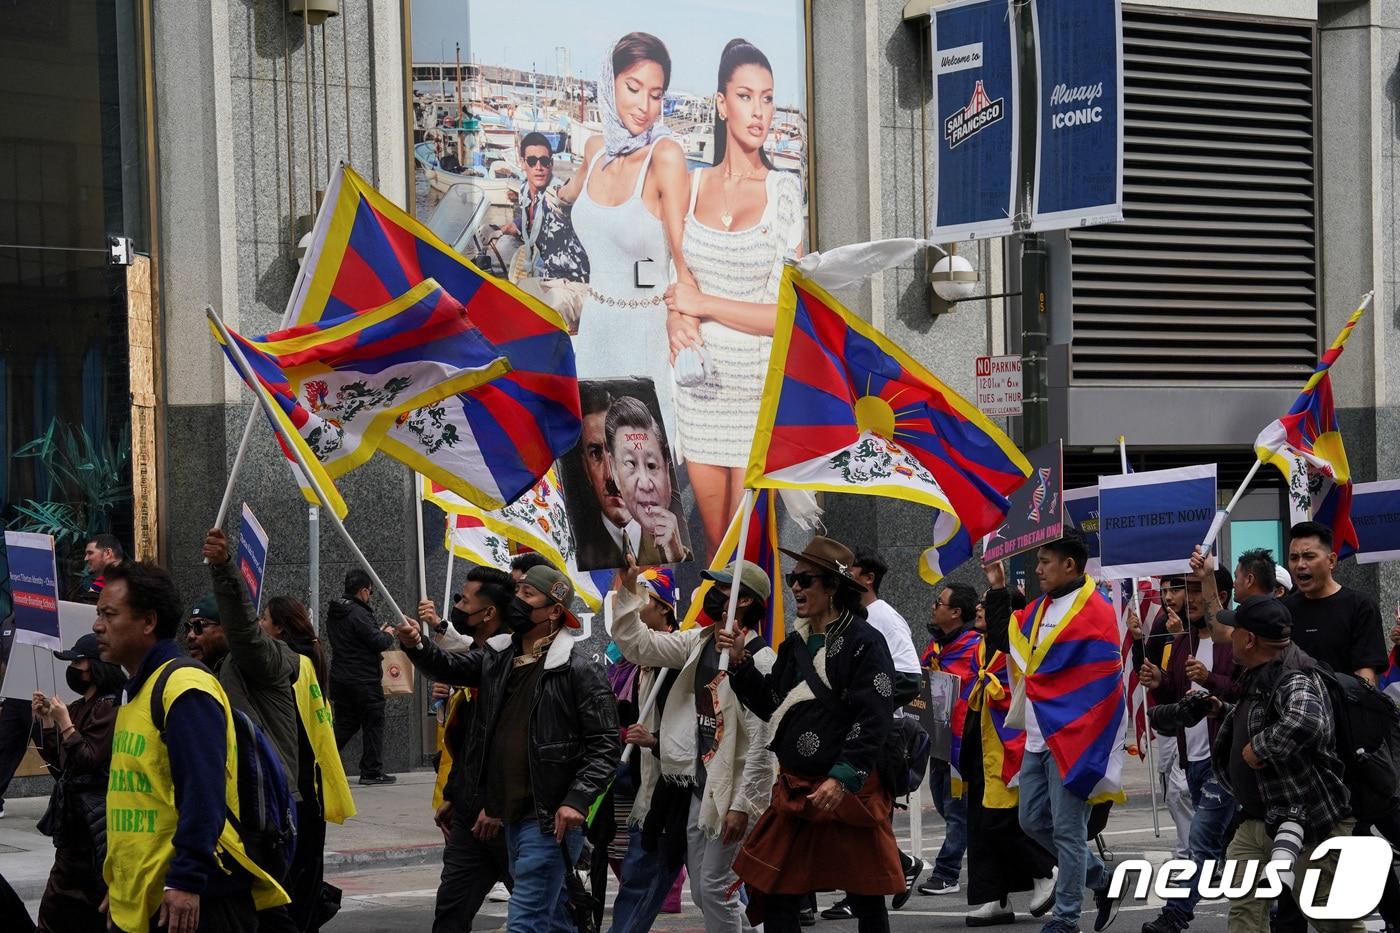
(574, 741)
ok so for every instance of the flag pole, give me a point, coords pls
(260, 393)
(447, 587)
(1224, 513)
(422, 549)
(234, 470)
(1142, 690)
(740, 549)
(647, 705)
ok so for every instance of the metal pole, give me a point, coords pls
(1034, 306)
(313, 559)
(1142, 691)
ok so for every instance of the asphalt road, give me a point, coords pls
(402, 899)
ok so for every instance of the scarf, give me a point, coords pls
(616, 140)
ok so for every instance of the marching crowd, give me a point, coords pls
(196, 773)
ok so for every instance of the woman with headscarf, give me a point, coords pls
(76, 744)
(629, 200)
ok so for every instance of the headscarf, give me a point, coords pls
(616, 140)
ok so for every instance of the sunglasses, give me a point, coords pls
(546, 161)
(804, 580)
(196, 626)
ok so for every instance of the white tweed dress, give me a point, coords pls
(715, 420)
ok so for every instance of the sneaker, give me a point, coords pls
(1108, 909)
(990, 914)
(2, 809)
(838, 911)
(1166, 922)
(916, 868)
(1043, 894)
(939, 886)
(377, 779)
(499, 893)
(807, 917)
(1059, 926)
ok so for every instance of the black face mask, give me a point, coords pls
(78, 681)
(716, 605)
(462, 620)
(521, 618)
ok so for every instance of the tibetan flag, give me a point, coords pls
(954, 548)
(535, 521)
(762, 549)
(1003, 746)
(1074, 687)
(959, 658)
(492, 444)
(338, 384)
(1310, 430)
(845, 410)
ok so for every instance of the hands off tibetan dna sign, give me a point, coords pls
(1077, 171)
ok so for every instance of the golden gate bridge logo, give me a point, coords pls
(980, 113)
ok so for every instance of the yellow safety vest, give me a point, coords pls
(336, 801)
(444, 767)
(141, 812)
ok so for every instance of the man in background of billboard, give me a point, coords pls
(555, 267)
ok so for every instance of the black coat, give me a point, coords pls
(356, 642)
(574, 742)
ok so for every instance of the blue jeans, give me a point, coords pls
(1059, 821)
(1214, 810)
(645, 884)
(537, 902)
(948, 866)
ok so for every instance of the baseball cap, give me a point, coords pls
(556, 585)
(85, 647)
(1262, 615)
(207, 609)
(1284, 579)
(751, 576)
(662, 583)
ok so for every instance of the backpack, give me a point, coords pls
(267, 821)
(903, 760)
(1367, 735)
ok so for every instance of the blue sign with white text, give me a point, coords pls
(1079, 146)
(1149, 523)
(975, 98)
(252, 554)
(33, 587)
(1375, 514)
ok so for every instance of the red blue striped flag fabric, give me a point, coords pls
(1003, 746)
(959, 658)
(846, 410)
(1073, 676)
(492, 444)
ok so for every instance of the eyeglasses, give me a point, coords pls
(546, 161)
(804, 580)
(196, 626)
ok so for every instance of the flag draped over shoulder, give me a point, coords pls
(536, 521)
(1073, 676)
(1310, 431)
(959, 658)
(761, 548)
(1003, 746)
(490, 444)
(338, 384)
(845, 410)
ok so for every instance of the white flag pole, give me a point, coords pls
(1224, 513)
(1142, 690)
(418, 524)
(647, 706)
(260, 393)
(745, 510)
(447, 587)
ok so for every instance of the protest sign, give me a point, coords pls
(1149, 523)
(1082, 512)
(1375, 513)
(34, 588)
(1035, 516)
(252, 555)
(938, 723)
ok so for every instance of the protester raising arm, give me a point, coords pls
(261, 659)
(458, 668)
(996, 607)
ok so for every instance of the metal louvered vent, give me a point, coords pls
(1212, 276)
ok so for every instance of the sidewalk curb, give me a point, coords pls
(347, 860)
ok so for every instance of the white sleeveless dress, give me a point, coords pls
(622, 328)
(716, 419)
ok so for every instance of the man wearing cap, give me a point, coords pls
(711, 747)
(829, 705)
(543, 744)
(76, 744)
(1276, 753)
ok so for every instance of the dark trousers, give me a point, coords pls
(470, 868)
(360, 707)
(231, 913)
(16, 717)
(308, 866)
(73, 894)
(780, 912)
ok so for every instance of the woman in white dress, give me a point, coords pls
(629, 200)
(744, 219)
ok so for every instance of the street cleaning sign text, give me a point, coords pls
(999, 385)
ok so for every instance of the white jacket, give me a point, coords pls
(741, 774)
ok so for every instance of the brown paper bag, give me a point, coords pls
(396, 675)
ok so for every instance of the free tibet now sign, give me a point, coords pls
(999, 386)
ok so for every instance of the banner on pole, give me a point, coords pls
(1036, 515)
(34, 588)
(1079, 143)
(1082, 512)
(252, 554)
(1375, 513)
(1149, 523)
(975, 92)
